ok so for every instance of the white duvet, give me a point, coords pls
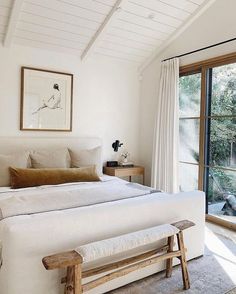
(27, 238)
(52, 198)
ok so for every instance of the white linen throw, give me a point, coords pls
(31, 200)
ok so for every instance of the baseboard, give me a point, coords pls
(221, 222)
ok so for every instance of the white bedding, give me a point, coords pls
(52, 198)
(27, 238)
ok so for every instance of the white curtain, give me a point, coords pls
(166, 134)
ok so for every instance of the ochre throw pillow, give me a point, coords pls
(31, 177)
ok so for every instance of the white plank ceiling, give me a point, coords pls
(82, 27)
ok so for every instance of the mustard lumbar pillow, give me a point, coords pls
(31, 177)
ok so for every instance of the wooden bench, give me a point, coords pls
(72, 260)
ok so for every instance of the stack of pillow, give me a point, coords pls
(50, 167)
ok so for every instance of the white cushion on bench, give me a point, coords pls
(109, 247)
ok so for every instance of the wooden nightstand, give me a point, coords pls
(120, 171)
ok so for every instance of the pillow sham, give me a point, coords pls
(58, 158)
(81, 158)
(31, 177)
(20, 160)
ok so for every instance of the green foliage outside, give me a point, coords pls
(222, 129)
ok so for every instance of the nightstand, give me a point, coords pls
(120, 171)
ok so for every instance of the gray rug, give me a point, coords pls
(208, 274)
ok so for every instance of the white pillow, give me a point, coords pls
(87, 157)
(19, 160)
(58, 158)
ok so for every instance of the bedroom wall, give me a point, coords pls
(106, 96)
(215, 25)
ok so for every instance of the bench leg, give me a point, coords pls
(78, 279)
(183, 261)
(69, 287)
(169, 262)
(73, 280)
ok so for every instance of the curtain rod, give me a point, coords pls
(200, 49)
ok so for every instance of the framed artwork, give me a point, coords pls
(46, 100)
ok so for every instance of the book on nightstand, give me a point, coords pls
(126, 164)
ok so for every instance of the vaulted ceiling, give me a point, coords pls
(125, 29)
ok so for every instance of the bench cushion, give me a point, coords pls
(116, 245)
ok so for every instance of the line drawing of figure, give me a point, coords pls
(53, 102)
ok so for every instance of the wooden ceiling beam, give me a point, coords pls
(12, 23)
(102, 29)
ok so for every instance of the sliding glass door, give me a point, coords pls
(208, 136)
(220, 155)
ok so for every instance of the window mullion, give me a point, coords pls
(202, 129)
(207, 129)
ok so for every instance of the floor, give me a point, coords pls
(221, 231)
(215, 273)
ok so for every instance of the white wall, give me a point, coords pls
(106, 96)
(215, 25)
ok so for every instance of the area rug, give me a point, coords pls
(215, 273)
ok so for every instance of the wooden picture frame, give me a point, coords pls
(46, 100)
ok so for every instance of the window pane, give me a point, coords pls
(189, 140)
(222, 150)
(224, 90)
(188, 177)
(221, 192)
(190, 95)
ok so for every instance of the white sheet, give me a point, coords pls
(27, 239)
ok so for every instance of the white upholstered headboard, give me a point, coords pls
(15, 144)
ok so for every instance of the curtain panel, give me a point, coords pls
(166, 133)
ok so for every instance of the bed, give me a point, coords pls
(27, 237)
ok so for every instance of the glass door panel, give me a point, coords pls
(223, 100)
(190, 95)
(189, 129)
(220, 139)
(189, 140)
(188, 177)
(222, 142)
(221, 192)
